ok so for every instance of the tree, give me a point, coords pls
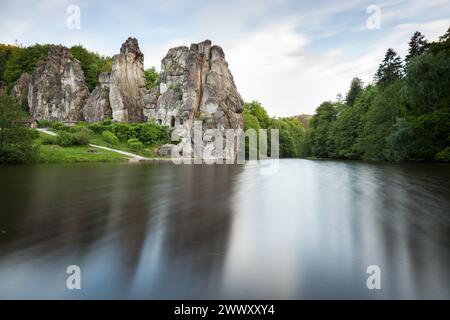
(417, 45)
(257, 110)
(399, 141)
(321, 122)
(151, 77)
(427, 83)
(22, 60)
(390, 69)
(356, 86)
(377, 123)
(92, 64)
(16, 140)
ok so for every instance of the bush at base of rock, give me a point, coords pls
(81, 138)
(134, 144)
(110, 137)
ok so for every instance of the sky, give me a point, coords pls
(291, 55)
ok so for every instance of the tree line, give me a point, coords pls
(403, 115)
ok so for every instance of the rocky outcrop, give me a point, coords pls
(127, 83)
(196, 84)
(57, 90)
(98, 107)
(20, 89)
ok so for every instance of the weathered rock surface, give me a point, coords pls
(196, 84)
(98, 107)
(57, 90)
(127, 83)
(20, 89)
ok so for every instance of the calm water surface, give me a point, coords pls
(166, 231)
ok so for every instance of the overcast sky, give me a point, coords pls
(290, 55)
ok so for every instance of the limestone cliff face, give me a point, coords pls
(57, 90)
(98, 107)
(196, 84)
(127, 83)
(20, 89)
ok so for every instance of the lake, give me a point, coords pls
(155, 231)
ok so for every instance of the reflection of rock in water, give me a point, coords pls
(198, 226)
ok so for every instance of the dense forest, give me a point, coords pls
(403, 115)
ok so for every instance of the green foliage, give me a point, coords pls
(16, 140)
(151, 133)
(426, 86)
(135, 144)
(20, 60)
(401, 117)
(377, 123)
(291, 131)
(390, 69)
(356, 87)
(98, 127)
(65, 139)
(75, 154)
(80, 138)
(443, 155)
(151, 78)
(321, 146)
(255, 109)
(48, 140)
(176, 88)
(92, 64)
(399, 141)
(5, 53)
(291, 135)
(417, 45)
(110, 137)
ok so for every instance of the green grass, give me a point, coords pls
(55, 153)
(147, 151)
(58, 154)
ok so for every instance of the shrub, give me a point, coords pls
(110, 137)
(134, 144)
(44, 124)
(97, 127)
(48, 139)
(443, 155)
(123, 131)
(59, 126)
(82, 137)
(107, 122)
(65, 139)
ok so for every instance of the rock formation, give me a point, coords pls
(196, 84)
(127, 83)
(20, 89)
(98, 107)
(57, 90)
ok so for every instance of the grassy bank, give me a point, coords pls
(137, 138)
(52, 153)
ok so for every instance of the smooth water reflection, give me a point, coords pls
(165, 231)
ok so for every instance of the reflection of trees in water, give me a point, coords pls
(197, 226)
(61, 207)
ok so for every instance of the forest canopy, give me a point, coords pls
(403, 115)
